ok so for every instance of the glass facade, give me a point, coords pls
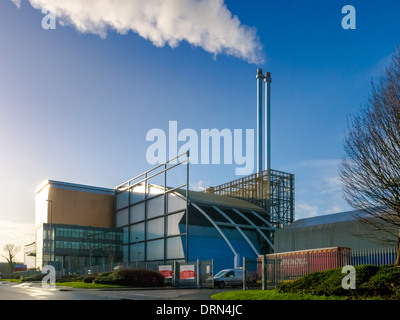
(75, 247)
(150, 221)
(151, 215)
(156, 229)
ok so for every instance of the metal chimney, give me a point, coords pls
(268, 81)
(259, 78)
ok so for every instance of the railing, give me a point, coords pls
(377, 257)
(274, 270)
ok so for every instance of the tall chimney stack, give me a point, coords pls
(259, 78)
(268, 81)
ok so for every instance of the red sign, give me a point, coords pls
(187, 272)
(166, 271)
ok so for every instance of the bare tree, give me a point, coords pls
(11, 250)
(370, 169)
(109, 255)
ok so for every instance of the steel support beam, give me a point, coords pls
(238, 229)
(255, 226)
(215, 226)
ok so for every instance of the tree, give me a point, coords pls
(370, 169)
(11, 251)
(109, 252)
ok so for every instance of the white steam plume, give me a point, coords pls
(17, 3)
(203, 23)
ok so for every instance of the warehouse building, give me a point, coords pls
(342, 229)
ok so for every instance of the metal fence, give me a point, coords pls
(180, 274)
(377, 257)
(272, 271)
(177, 273)
(266, 273)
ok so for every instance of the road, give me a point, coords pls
(34, 291)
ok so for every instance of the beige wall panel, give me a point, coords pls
(81, 208)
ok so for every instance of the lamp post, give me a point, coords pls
(137, 253)
(51, 228)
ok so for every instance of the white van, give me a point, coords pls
(233, 277)
(229, 277)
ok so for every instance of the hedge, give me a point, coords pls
(131, 277)
(371, 281)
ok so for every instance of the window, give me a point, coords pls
(125, 238)
(174, 248)
(122, 218)
(137, 194)
(137, 212)
(173, 223)
(137, 232)
(122, 199)
(155, 207)
(155, 250)
(230, 274)
(175, 203)
(155, 228)
(137, 252)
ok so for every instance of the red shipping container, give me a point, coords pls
(302, 262)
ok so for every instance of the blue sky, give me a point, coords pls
(76, 106)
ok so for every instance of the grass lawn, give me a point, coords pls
(76, 284)
(83, 285)
(269, 295)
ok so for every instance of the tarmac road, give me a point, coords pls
(34, 291)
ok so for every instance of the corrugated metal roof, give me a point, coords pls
(324, 219)
(214, 199)
(74, 186)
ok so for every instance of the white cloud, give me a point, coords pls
(318, 188)
(304, 210)
(202, 23)
(334, 209)
(198, 186)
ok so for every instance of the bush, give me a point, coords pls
(386, 282)
(131, 277)
(37, 277)
(371, 281)
(89, 279)
(71, 278)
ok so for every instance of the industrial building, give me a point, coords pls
(74, 226)
(145, 220)
(141, 222)
(226, 223)
(342, 229)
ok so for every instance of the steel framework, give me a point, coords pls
(270, 189)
